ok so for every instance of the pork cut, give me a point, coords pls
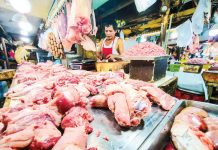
(1, 127)
(19, 120)
(121, 110)
(212, 123)
(193, 120)
(160, 97)
(99, 101)
(66, 98)
(184, 137)
(45, 137)
(187, 130)
(76, 117)
(194, 110)
(18, 140)
(212, 130)
(213, 135)
(73, 139)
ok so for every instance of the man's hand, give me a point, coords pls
(88, 44)
(111, 58)
(94, 31)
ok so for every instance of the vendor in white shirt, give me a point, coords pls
(111, 46)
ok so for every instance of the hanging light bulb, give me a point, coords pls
(174, 35)
(25, 39)
(214, 30)
(25, 25)
(22, 6)
(23, 32)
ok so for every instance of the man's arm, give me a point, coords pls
(98, 51)
(120, 46)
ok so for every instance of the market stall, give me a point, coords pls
(103, 84)
(77, 90)
(107, 132)
(211, 79)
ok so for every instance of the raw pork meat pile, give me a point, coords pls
(197, 61)
(194, 129)
(130, 103)
(48, 97)
(145, 49)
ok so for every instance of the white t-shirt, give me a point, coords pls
(112, 45)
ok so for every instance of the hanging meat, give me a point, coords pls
(55, 46)
(62, 25)
(79, 22)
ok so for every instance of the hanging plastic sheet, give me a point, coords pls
(142, 5)
(184, 34)
(204, 6)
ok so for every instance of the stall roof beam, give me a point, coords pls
(117, 8)
(156, 23)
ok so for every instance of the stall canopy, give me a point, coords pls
(149, 19)
(9, 17)
(105, 10)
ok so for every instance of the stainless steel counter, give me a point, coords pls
(161, 135)
(122, 138)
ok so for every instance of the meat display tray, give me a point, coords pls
(146, 58)
(122, 138)
(161, 135)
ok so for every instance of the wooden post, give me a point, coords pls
(165, 20)
(5, 52)
(168, 34)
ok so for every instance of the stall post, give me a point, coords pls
(167, 35)
(165, 19)
(5, 52)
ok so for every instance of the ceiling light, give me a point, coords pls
(26, 26)
(25, 39)
(174, 35)
(18, 17)
(214, 30)
(23, 32)
(22, 6)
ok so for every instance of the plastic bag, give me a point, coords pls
(142, 5)
(184, 34)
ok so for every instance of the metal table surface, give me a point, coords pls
(122, 138)
(161, 135)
